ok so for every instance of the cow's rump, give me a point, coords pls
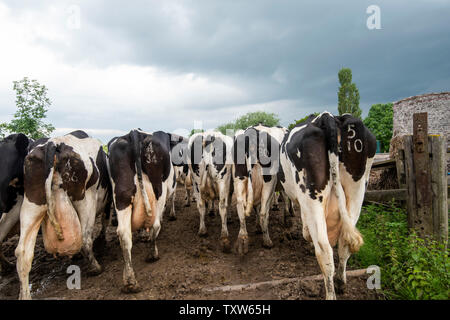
(70, 225)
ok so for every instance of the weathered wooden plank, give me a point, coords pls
(385, 195)
(400, 168)
(273, 283)
(410, 179)
(439, 186)
(423, 219)
(384, 164)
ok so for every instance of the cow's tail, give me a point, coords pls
(349, 233)
(136, 146)
(50, 157)
(249, 202)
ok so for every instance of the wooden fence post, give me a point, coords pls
(426, 180)
(438, 164)
(422, 219)
(410, 179)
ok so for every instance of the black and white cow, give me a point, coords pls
(142, 178)
(178, 148)
(255, 169)
(13, 150)
(66, 186)
(325, 166)
(210, 162)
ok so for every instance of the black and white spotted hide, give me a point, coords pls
(142, 178)
(210, 162)
(325, 165)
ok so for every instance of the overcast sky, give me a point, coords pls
(111, 66)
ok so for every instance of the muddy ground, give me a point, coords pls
(188, 264)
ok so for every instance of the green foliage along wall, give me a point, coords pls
(380, 123)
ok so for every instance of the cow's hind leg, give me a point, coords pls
(9, 222)
(223, 206)
(317, 227)
(201, 210)
(188, 196)
(31, 218)
(341, 278)
(211, 212)
(242, 241)
(86, 209)
(99, 245)
(153, 254)
(354, 204)
(266, 200)
(172, 216)
(130, 285)
(288, 209)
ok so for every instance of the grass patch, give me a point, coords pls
(411, 268)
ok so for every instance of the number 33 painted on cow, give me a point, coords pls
(357, 144)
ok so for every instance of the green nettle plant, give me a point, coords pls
(32, 105)
(348, 95)
(380, 123)
(251, 119)
(411, 267)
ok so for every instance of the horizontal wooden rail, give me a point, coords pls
(385, 195)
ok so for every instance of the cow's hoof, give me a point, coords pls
(242, 245)
(151, 259)
(94, 271)
(131, 288)
(226, 247)
(340, 286)
(172, 218)
(267, 244)
(203, 233)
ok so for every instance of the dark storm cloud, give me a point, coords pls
(275, 50)
(304, 44)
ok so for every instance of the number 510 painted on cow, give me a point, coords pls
(357, 144)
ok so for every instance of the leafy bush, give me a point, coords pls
(251, 119)
(380, 121)
(411, 267)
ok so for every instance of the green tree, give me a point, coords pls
(196, 131)
(251, 119)
(348, 95)
(32, 105)
(292, 125)
(380, 123)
